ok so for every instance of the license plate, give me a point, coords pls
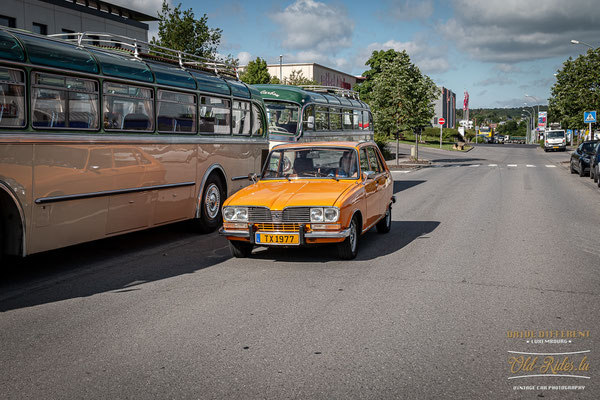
(276, 239)
(556, 147)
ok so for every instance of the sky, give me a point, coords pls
(497, 50)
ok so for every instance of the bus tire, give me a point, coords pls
(240, 249)
(211, 204)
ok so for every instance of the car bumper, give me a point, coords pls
(555, 146)
(310, 237)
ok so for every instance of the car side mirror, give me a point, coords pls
(253, 177)
(310, 123)
(368, 175)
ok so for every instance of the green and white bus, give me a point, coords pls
(99, 140)
(315, 113)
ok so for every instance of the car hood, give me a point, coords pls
(277, 195)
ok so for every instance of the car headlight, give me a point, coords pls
(233, 214)
(324, 214)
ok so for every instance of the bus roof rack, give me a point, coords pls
(331, 90)
(147, 51)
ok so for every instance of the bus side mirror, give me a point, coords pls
(310, 123)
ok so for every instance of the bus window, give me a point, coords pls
(283, 117)
(215, 116)
(371, 126)
(12, 98)
(322, 119)
(308, 118)
(241, 118)
(64, 102)
(176, 112)
(128, 108)
(357, 121)
(347, 119)
(365, 119)
(257, 122)
(335, 119)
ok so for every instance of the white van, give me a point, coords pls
(555, 140)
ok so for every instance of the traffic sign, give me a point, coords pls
(589, 117)
(442, 121)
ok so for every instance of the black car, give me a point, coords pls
(594, 161)
(580, 158)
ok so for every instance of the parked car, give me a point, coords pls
(594, 163)
(499, 139)
(580, 158)
(555, 140)
(312, 193)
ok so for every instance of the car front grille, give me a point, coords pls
(300, 215)
(278, 227)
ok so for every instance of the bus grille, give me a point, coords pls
(278, 227)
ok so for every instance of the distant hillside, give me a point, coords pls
(494, 115)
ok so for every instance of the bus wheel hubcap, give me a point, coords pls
(212, 201)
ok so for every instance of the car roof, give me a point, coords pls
(323, 144)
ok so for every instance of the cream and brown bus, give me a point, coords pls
(101, 140)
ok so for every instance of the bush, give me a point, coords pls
(382, 141)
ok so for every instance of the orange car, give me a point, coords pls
(312, 193)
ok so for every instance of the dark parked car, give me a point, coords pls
(580, 158)
(594, 163)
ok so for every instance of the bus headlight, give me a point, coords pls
(235, 214)
(326, 214)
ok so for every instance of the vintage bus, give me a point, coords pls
(315, 113)
(96, 141)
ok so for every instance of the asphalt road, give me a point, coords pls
(496, 240)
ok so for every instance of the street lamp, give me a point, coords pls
(537, 114)
(529, 125)
(573, 41)
(281, 68)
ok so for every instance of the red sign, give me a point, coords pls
(441, 121)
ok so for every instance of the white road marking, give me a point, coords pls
(474, 165)
(530, 166)
(511, 165)
(550, 166)
(401, 172)
(492, 165)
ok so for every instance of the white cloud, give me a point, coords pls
(510, 31)
(309, 25)
(244, 57)
(408, 10)
(427, 58)
(498, 81)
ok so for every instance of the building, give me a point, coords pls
(445, 106)
(49, 17)
(322, 75)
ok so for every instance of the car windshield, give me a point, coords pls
(556, 134)
(283, 117)
(312, 163)
(588, 147)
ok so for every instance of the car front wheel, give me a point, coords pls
(581, 169)
(348, 249)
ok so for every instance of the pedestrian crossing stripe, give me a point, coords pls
(492, 165)
(530, 166)
(550, 166)
(511, 165)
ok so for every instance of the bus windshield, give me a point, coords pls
(283, 117)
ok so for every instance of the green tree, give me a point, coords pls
(401, 97)
(577, 89)
(297, 78)
(256, 72)
(378, 58)
(180, 30)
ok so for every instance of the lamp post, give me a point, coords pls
(573, 41)
(531, 125)
(281, 69)
(537, 114)
(528, 126)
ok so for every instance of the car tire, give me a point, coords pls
(581, 170)
(211, 204)
(348, 249)
(385, 224)
(571, 167)
(595, 173)
(240, 249)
